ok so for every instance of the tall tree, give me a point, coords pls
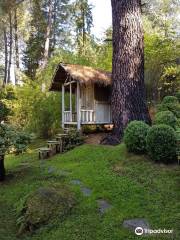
(128, 89)
(48, 34)
(16, 41)
(10, 47)
(83, 21)
(5, 57)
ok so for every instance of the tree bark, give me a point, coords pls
(48, 35)
(10, 48)
(128, 89)
(5, 57)
(2, 168)
(16, 46)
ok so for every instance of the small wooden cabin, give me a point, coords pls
(89, 94)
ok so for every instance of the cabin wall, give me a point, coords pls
(87, 97)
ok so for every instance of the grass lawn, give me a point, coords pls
(133, 185)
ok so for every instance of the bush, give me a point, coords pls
(178, 96)
(135, 136)
(161, 143)
(170, 103)
(73, 139)
(166, 117)
(22, 140)
(170, 99)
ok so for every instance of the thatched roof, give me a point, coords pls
(82, 74)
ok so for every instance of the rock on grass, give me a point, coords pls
(44, 205)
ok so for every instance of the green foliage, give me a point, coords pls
(161, 143)
(7, 134)
(38, 208)
(6, 97)
(37, 111)
(21, 142)
(135, 136)
(170, 103)
(166, 117)
(73, 139)
(178, 96)
(170, 99)
(169, 81)
(124, 179)
(12, 140)
(160, 54)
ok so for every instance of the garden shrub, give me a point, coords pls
(135, 136)
(170, 103)
(178, 96)
(22, 140)
(166, 117)
(73, 139)
(170, 99)
(161, 143)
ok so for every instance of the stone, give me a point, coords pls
(104, 206)
(51, 170)
(132, 224)
(86, 191)
(76, 182)
(44, 205)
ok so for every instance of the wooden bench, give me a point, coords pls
(56, 146)
(45, 153)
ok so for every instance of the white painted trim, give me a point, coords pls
(63, 106)
(78, 102)
(70, 95)
(68, 83)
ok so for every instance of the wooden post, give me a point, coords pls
(63, 106)
(78, 103)
(71, 102)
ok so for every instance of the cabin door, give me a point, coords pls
(103, 112)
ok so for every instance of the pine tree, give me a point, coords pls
(128, 89)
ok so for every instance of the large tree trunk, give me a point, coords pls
(10, 48)
(5, 57)
(16, 46)
(128, 89)
(48, 35)
(2, 168)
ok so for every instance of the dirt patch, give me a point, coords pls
(95, 138)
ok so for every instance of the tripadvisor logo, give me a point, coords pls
(140, 231)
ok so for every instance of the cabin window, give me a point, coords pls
(102, 94)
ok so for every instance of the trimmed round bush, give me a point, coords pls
(166, 117)
(170, 103)
(178, 96)
(161, 143)
(135, 136)
(170, 99)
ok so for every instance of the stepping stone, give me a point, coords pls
(51, 170)
(76, 182)
(132, 224)
(86, 191)
(63, 173)
(104, 206)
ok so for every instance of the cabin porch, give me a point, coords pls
(83, 107)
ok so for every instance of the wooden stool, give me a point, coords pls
(55, 146)
(45, 153)
(61, 137)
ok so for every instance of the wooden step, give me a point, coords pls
(55, 145)
(45, 152)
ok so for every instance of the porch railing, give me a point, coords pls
(87, 116)
(70, 117)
